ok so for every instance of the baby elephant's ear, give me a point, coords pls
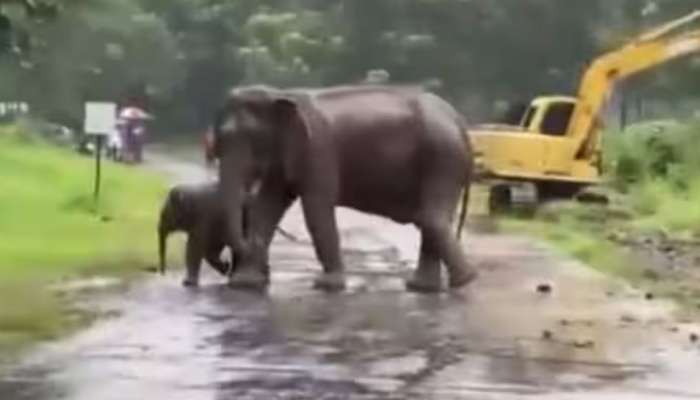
(178, 200)
(180, 197)
(174, 196)
(186, 207)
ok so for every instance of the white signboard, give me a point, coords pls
(100, 118)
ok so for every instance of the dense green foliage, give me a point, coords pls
(181, 55)
(657, 166)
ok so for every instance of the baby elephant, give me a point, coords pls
(197, 211)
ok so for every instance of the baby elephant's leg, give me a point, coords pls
(193, 257)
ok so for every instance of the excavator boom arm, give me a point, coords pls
(651, 49)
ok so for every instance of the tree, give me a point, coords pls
(91, 51)
(185, 54)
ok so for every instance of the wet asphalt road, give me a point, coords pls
(375, 341)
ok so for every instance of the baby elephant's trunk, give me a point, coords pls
(163, 234)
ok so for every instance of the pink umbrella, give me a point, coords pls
(134, 113)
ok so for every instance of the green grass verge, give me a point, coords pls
(586, 243)
(50, 229)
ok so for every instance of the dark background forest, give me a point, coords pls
(178, 57)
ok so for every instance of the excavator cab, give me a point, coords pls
(537, 148)
(535, 158)
(549, 115)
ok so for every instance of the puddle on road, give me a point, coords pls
(94, 283)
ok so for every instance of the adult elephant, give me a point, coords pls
(397, 152)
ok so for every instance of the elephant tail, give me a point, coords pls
(464, 206)
(463, 211)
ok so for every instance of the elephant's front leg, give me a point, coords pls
(274, 204)
(319, 213)
(263, 217)
(193, 257)
(213, 257)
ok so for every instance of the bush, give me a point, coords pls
(657, 150)
(657, 166)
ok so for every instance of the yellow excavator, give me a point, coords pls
(555, 151)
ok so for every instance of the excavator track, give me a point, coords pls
(488, 198)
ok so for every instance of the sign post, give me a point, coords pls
(100, 122)
(98, 167)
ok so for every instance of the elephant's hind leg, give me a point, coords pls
(440, 234)
(427, 278)
(438, 205)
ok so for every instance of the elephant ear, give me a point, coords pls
(294, 114)
(296, 121)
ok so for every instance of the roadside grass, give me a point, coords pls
(580, 239)
(653, 174)
(51, 230)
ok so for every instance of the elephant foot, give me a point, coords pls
(224, 269)
(425, 280)
(462, 278)
(190, 283)
(249, 279)
(330, 282)
(418, 285)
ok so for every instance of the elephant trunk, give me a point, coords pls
(235, 223)
(234, 195)
(162, 250)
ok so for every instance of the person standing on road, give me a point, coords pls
(133, 132)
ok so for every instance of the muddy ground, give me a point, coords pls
(669, 261)
(589, 337)
(662, 263)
